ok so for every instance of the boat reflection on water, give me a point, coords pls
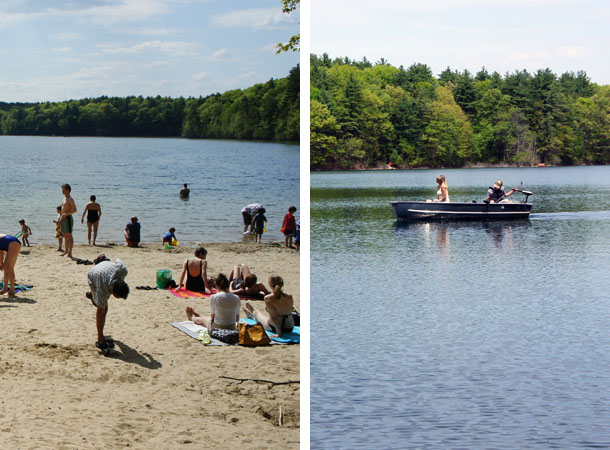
(439, 234)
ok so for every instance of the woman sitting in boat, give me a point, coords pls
(442, 192)
(497, 194)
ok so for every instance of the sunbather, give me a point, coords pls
(243, 282)
(278, 309)
(224, 308)
(195, 272)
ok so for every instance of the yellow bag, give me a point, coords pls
(252, 334)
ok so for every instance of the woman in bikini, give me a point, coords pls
(277, 316)
(94, 212)
(243, 282)
(9, 251)
(196, 274)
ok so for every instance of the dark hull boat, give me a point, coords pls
(460, 211)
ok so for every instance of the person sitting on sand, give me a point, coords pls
(278, 309)
(94, 213)
(243, 282)
(26, 233)
(196, 273)
(132, 232)
(497, 194)
(58, 235)
(106, 279)
(170, 236)
(9, 251)
(224, 308)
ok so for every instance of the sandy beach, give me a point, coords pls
(161, 388)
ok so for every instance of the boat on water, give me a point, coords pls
(418, 210)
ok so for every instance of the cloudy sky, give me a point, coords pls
(502, 35)
(66, 49)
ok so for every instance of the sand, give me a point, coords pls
(161, 388)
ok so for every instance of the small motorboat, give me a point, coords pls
(417, 210)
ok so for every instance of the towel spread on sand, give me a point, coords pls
(294, 337)
(193, 331)
(18, 287)
(185, 293)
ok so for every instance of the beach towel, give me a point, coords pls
(18, 287)
(193, 331)
(184, 293)
(294, 337)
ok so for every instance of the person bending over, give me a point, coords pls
(105, 279)
(9, 251)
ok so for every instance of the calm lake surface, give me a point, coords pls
(142, 177)
(460, 335)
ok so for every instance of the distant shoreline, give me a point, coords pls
(469, 166)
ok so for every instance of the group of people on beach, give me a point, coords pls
(255, 223)
(107, 278)
(495, 193)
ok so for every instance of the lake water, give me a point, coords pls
(460, 335)
(142, 177)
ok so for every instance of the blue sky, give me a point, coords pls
(502, 35)
(54, 50)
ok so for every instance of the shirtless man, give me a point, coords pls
(68, 207)
(184, 193)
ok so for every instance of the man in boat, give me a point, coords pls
(497, 194)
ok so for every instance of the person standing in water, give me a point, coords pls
(184, 193)
(94, 213)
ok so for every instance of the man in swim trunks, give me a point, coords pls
(184, 193)
(68, 207)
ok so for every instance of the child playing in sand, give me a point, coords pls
(26, 232)
(58, 234)
(258, 222)
(170, 236)
(289, 227)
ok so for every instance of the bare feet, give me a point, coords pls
(190, 312)
(3, 291)
(249, 310)
(59, 250)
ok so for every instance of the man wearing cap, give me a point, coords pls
(496, 193)
(132, 232)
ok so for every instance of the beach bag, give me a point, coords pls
(296, 318)
(226, 336)
(251, 335)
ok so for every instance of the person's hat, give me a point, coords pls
(498, 184)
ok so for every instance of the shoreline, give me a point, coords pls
(161, 388)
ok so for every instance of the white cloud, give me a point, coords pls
(222, 53)
(175, 48)
(61, 49)
(263, 19)
(200, 76)
(91, 73)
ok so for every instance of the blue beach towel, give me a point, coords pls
(285, 338)
(18, 287)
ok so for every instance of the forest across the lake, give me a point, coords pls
(366, 115)
(266, 111)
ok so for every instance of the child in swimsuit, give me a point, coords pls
(58, 234)
(27, 232)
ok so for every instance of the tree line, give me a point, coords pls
(365, 115)
(266, 111)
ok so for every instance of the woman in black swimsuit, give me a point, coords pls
(94, 212)
(196, 273)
